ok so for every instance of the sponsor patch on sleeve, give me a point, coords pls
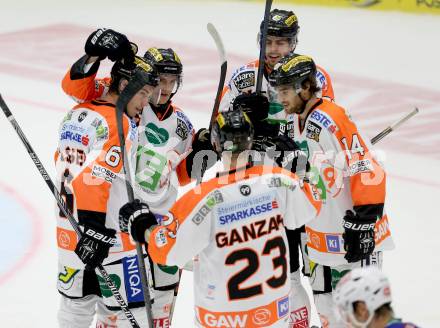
(324, 119)
(364, 165)
(244, 80)
(182, 129)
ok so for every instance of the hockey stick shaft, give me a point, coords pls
(223, 70)
(263, 39)
(133, 86)
(394, 126)
(63, 207)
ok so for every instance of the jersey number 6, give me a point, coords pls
(234, 290)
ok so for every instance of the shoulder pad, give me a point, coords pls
(324, 120)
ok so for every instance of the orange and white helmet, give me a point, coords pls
(368, 285)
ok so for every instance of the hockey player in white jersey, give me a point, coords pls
(235, 224)
(282, 38)
(165, 136)
(352, 229)
(269, 121)
(363, 299)
(90, 178)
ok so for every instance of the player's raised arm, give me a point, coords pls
(80, 81)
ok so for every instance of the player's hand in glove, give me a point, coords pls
(358, 237)
(202, 140)
(94, 244)
(135, 218)
(105, 43)
(201, 143)
(255, 106)
(284, 151)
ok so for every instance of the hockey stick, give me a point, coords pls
(135, 84)
(223, 69)
(263, 39)
(394, 126)
(63, 207)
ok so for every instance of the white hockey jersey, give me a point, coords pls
(235, 224)
(163, 145)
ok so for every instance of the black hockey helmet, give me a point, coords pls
(232, 131)
(293, 70)
(166, 60)
(126, 69)
(282, 23)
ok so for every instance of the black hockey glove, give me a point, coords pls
(358, 237)
(135, 218)
(202, 140)
(201, 143)
(284, 151)
(94, 244)
(255, 106)
(105, 43)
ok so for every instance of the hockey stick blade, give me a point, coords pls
(394, 126)
(218, 41)
(64, 209)
(263, 39)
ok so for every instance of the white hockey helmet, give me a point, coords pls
(368, 285)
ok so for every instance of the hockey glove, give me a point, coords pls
(358, 237)
(284, 151)
(135, 218)
(94, 244)
(202, 140)
(105, 43)
(201, 143)
(255, 106)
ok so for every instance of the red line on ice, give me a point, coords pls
(36, 230)
(374, 103)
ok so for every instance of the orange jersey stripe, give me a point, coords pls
(367, 178)
(85, 89)
(92, 193)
